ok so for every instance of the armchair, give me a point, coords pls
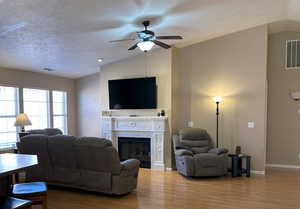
(196, 155)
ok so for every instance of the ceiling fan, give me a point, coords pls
(147, 39)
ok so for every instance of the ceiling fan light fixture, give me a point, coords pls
(145, 45)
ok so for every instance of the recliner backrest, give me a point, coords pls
(98, 155)
(46, 131)
(195, 139)
(63, 158)
(36, 145)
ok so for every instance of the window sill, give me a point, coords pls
(5, 149)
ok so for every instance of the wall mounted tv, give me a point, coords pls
(136, 93)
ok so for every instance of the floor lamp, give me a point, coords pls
(217, 100)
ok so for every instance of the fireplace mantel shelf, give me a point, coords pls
(152, 127)
(137, 117)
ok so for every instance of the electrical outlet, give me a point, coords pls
(190, 124)
(251, 124)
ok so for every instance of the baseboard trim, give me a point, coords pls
(258, 172)
(169, 169)
(283, 166)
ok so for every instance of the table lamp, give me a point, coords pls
(22, 120)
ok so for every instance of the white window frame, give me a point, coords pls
(19, 105)
(4, 146)
(65, 115)
(49, 105)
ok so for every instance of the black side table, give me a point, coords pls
(22, 134)
(237, 168)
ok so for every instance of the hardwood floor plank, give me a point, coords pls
(278, 189)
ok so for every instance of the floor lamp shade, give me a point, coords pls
(22, 120)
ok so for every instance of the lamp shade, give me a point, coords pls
(22, 120)
(217, 99)
(145, 45)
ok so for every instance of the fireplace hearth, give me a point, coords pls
(137, 148)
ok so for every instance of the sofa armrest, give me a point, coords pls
(218, 151)
(130, 167)
(130, 164)
(183, 152)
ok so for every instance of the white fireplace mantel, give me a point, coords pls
(151, 127)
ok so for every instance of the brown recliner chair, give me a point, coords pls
(196, 155)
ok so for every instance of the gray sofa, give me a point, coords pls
(196, 156)
(79, 162)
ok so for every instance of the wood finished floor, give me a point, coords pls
(278, 189)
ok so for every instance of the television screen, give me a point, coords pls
(137, 93)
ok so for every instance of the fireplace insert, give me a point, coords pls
(137, 148)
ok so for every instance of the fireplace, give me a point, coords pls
(137, 148)
(153, 128)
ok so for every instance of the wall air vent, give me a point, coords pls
(292, 60)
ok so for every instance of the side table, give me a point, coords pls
(237, 168)
(22, 134)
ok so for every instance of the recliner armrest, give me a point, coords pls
(218, 151)
(183, 152)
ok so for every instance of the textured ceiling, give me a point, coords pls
(69, 35)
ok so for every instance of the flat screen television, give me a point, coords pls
(136, 93)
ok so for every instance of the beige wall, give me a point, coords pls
(234, 67)
(88, 105)
(155, 63)
(42, 81)
(283, 119)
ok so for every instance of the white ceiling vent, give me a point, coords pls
(292, 60)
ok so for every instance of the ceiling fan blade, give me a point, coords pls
(169, 37)
(133, 47)
(10, 28)
(128, 39)
(161, 44)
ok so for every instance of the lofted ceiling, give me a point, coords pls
(70, 35)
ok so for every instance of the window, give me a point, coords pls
(8, 111)
(59, 115)
(292, 54)
(44, 108)
(36, 106)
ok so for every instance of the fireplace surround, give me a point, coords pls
(151, 127)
